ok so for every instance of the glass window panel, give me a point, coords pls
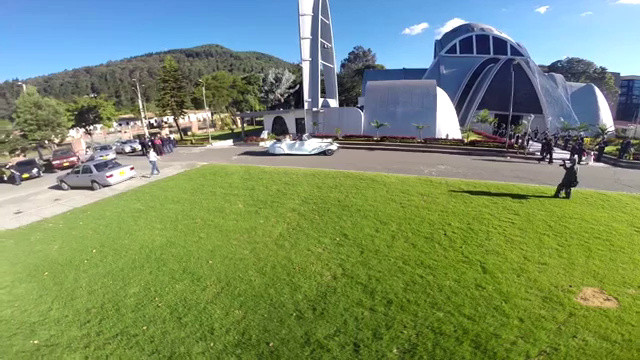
(483, 47)
(515, 51)
(466, 46)
(499, 47)
(453, 50)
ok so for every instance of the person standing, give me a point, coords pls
(580, 150)
(547, 150)
(570, 179)
(153, 161)
(567, 140)
(158, 145)
(16, 175)
(144, 145)
(601, 147)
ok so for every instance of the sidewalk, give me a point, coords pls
(49, 201)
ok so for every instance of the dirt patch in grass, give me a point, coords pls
(596, 297)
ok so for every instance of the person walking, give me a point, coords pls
(547, 150)
(570, 179)
(567, 140)
(153, 161)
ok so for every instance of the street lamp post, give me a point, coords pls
(513, 87)
(204, 97)
(143, 112)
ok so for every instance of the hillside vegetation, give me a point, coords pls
(113, 79)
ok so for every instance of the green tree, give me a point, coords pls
(584, 71)
(602, 131)
(87, 112)
(40, 119)
(10, 142)
(172, 92)
(378, 125)
(484, 117)
(277, 86)
(351, 74)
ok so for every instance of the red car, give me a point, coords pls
(64, 159)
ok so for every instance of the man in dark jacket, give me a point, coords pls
(570, 179)
(601, 147)
(580, 149)
(547, 150)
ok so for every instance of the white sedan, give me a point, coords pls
(127, 146)
(306, 146)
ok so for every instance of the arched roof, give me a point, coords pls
(463, 30)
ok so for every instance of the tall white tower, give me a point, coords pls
(318, 55)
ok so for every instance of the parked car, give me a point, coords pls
(64, 159)
(28, 169)
(103, 152)
(305, 146)
(127, 146)
(96, 175)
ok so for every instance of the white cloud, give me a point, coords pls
(628, 2)
(586, 13)
(450, 25)
(415, 29)
(543, 9)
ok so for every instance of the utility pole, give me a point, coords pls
(143, 112)
(204, 97)
(24, 86)
(513, 87)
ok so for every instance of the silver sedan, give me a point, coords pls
(96, 174)
(103, 152)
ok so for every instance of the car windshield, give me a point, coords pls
(103, 148)
(129, 142)
(63, 152)
(30, 162)
(106, 165)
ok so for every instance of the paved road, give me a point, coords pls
(39, 198)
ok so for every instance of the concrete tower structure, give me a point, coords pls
(317, 54)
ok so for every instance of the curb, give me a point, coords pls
(626, 164)
(447, 150)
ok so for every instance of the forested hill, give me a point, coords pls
(113, 79)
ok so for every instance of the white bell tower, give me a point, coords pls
(318, 55)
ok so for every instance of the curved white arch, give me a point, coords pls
(447, 125)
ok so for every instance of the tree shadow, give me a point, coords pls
(503, 195)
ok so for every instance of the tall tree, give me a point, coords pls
(40, 119)
(87, 112)
(351, 74)
(172, 97)
(277, 86)
(584, 71)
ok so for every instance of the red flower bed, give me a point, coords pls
(488, 136)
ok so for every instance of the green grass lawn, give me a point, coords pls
(250, 262)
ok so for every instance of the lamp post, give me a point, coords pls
(24, 86)
(204, 97)
(513, 87)
(143, 112)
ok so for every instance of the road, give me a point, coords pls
(40, 198)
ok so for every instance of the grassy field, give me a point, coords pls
(250, 262)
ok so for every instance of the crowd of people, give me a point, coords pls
(156, 146)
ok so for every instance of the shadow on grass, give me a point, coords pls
(503, 195)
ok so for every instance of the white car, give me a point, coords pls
(96, 175)
(306, 146)
(127, 146)
(103, 152)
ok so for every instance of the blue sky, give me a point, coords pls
(45, 36)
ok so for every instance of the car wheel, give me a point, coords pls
(64, 186)
(329, 152)
(96, 186)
